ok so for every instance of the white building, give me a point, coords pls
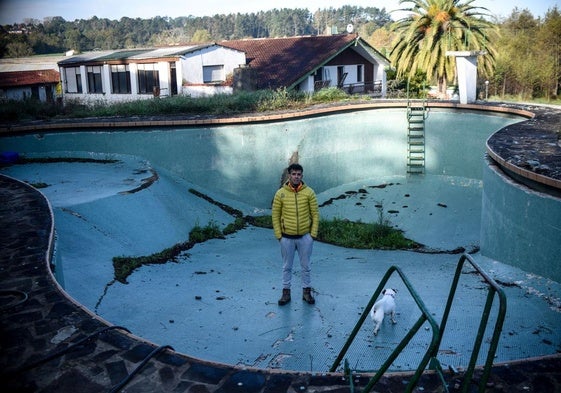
(40, 85)
(126, 75)
(305, 64)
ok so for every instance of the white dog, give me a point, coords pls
(386, 305)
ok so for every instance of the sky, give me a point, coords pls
(15, 11)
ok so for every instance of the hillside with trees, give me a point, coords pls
(55, 34)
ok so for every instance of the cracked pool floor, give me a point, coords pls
(218, 300)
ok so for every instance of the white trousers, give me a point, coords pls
(289, 247)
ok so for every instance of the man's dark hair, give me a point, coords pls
(294, 167)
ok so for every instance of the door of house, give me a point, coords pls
(173, 79)
(318, 76)
(49, 93)
(35, 92)
(341, 76)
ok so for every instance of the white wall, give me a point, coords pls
(205, 91)
(307, 85)
(192, 63)
(380, 75)
(164, 70)
(189, 71)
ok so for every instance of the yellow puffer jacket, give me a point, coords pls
(295, 212)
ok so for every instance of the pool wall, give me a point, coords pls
(519, 226)
(334, 149)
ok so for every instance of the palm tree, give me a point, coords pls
(433, 27)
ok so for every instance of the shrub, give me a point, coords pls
(238, 224)
(201, 234)
(356, 234)
(329, 94)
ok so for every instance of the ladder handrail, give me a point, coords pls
(494, 288)
(425, 316)
(437, 330)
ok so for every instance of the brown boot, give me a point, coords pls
(285, 298)
(307, 296)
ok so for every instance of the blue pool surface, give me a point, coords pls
(218, 301)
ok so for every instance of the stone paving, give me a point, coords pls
(46, 346)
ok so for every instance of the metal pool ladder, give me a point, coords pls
(430, 356)
(416, 115)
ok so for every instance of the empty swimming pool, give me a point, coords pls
(219, 301)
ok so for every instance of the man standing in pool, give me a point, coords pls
(295, 222)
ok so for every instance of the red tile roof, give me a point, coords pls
(28, 78)
(281, 62)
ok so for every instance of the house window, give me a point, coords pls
(73, 80)
(148, 78)
(359, 73)
(120, 79)
(94, 79)
(213, 73)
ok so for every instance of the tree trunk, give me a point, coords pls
(442, 86)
